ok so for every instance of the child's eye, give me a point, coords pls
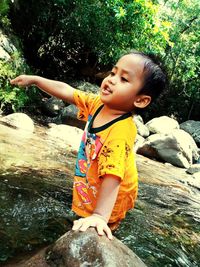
(112, 73)
(124, 79)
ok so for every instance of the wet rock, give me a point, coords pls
(193, 128)
(85, 249)
(162, 124)
(177, 148)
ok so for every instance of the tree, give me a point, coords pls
(63, 37)
(183, 58)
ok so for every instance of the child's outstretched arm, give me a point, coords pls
(105, 203)
(55, 88)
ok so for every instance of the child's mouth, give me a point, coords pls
(106, 90)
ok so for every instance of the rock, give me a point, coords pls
(3, 54)
(162, 124)
(52, 106)
(6, 47)
(65, 135)
(196, 176)
(85, 249)
(19, 121)
(63, 112)
(70, 111)
(68, 115)
(177, 148)
(193, 169)
(141, 128)
(138, 118)
(86, 86)
(138, 142)
(193, 128)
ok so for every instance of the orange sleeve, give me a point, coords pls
(86, 103)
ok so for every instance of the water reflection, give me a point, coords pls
(164, 228)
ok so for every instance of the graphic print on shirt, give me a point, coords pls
(88, 151)
(82, 190)
(81, 162)
(89, 148)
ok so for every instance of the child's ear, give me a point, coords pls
(141, 101)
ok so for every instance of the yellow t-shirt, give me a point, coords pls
(104, 150)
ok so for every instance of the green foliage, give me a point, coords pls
(4, 8)
(9, 95)
(61, 36)
(13, 98)
(183, 58)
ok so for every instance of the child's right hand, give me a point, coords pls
(95, 221)
(23, 80)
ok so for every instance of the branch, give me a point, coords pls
(188, 25)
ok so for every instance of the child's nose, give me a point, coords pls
(113, 79)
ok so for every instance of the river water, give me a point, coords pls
(35, 197)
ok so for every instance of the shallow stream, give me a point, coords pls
(35, 198)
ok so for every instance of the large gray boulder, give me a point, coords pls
(162, 124)
(82, 249)
(193, 128)
(177, 148)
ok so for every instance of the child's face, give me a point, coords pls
(120, 88)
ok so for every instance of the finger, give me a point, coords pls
(77, 224)
(100, 230)
(21, 83)
(108, 232)
(18, 82)
(84, 226)
(14, 81)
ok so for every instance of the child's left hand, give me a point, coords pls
(93, 221)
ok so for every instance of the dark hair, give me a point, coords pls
(154, 77)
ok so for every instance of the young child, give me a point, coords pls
(106, 182)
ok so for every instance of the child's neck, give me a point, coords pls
(107, 111)
(106, 115)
